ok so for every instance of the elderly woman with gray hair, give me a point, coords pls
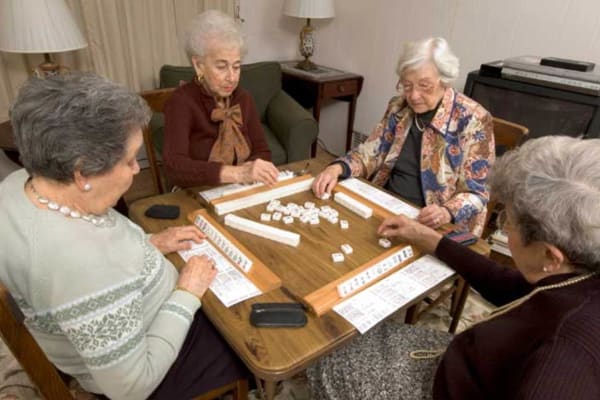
(98, 295)
(213, 132)
(433, 147)
(543, 340)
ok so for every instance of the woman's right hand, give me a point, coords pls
(410, 231)
(327, 179)
(259, 171)
(197, 275)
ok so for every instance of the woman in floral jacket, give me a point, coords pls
(434, 146)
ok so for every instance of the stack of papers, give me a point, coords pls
(499, 243)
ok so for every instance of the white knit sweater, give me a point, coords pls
(100, 301)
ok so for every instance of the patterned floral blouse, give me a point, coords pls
(457, 152)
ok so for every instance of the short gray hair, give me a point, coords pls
(434, 50)
(551, 186)
(212, 25)
(75, 121)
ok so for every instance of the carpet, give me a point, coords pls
(15, 385)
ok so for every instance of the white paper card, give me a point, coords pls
(230, 285)
(367, 308)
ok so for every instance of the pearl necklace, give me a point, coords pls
(514, 304)
(106, 220)
(420, 128)
(434, 353)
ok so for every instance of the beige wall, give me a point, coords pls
(365, 37)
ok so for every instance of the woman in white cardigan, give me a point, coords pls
(100, 298)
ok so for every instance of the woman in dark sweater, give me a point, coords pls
(212, 130)
(543, 341)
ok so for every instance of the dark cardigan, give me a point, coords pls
(190, 135)
(547, 348)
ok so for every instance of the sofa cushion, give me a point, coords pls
(278, 154)
(261, 79)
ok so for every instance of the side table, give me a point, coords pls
(310, 89)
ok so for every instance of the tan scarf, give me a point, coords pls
(231, 145)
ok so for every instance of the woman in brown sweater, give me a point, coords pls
(543, 341)
(213, 133)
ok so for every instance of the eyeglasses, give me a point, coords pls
(425, 87)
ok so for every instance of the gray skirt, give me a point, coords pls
(378, 365)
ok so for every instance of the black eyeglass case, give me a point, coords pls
(162, 211)
(275, 315)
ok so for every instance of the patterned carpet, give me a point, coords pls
(15, 385)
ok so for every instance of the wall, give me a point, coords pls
(366, 37)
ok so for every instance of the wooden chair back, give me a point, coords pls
(23, 346)
(507, 136)
(156, 100)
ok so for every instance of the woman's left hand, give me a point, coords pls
(434, 216)
(176, 238)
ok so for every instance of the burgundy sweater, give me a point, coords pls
(547, 348)
(190, 135)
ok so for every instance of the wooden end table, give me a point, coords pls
(311, 89)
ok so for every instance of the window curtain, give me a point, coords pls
(128, 42)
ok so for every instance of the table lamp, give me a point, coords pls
(308, 9)
(39, 27)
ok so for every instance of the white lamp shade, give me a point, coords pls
(309, 8)
(38, 26)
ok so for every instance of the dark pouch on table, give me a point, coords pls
(464, 238)
(277, 315)
(162, 211)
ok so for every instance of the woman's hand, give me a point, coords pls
(258, 171)
(176, 238)
(327, 179)
(434, 216)
(410, 231)
(197, 275)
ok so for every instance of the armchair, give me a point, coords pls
(289, 128)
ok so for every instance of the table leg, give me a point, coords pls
(266, 389)
(270, 390)
(317, 115)
(350, 129)
(458, 303)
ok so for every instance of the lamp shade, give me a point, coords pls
(38, 26)
(309, 8)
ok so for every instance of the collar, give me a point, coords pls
(441, 118)
(553, 279)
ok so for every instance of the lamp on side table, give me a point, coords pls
(308, 9)
(39, 27)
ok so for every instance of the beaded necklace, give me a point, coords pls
(434, 353)
(106, 220)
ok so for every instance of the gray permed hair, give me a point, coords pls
(434, 50)
(208, 26)
(551, 186)
(75, 121)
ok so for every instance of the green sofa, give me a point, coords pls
(289, 128)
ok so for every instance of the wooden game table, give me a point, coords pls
(275, 354)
